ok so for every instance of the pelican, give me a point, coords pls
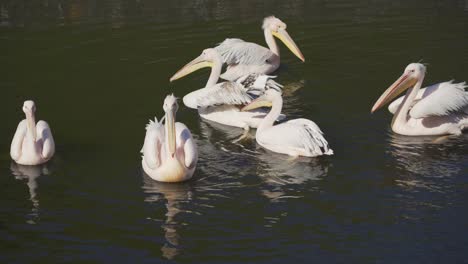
(439, 109)
(219, 102)
(244, 57)
(32, 143)
(169, 151)
(297, 137)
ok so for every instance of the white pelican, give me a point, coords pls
(32, 143)
(297, 137)
(219, 102)
(244, 57)
(169, 151)
(439, 109)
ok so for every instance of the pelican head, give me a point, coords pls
(278, 29)
(265, 100)
(207, 59)
(29, 108)
(170, 107)
(170, 104)
(413, 73)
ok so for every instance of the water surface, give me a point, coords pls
(98, 70)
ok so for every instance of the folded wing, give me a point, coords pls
(237, 51)
(437, 100)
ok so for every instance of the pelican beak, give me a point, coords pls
(196, 64)
(283, 35)
(171, 131)
(257, 103)
(404, 82)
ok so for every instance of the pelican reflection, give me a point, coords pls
(31, 174)
(426, 159)
(175, 196)
(284, 176)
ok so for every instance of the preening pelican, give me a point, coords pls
(219, 102)
(244, 57)
(297, 137)
(436, 110)
(169, 151)
(32, 143)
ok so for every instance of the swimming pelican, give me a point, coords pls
(219, 102)
(435, 110)
(244, 57)
(169, 151)
(32, 143)
(297, 137)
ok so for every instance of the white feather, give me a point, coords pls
(240, 92)
(225, 93)
(155, 127)
(45, 136)
(441, 99)
(312, 135)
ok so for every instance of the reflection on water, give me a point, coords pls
(218, 134)
(175, 195)
(291, 87)
(281, 173)
(30, 173)
(426, 159)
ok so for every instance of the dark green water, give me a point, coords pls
(98, 70)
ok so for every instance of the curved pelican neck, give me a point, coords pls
(270, 118)
(401, 115)
(271, 42)
(215, 71)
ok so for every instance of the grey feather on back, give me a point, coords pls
(237, 51)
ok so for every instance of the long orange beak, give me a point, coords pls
(196, 64)
(257, 103)
(283, 35)
(404, 82)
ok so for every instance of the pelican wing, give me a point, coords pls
(185, 141)
(441, 99)
(237, 51)
(153, 142)
(437, 100)
(17, 142)
(225, 93)
(256, 84)
(311, 137)
(301, 135)
(45, 136)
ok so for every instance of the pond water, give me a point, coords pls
(98, 70)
